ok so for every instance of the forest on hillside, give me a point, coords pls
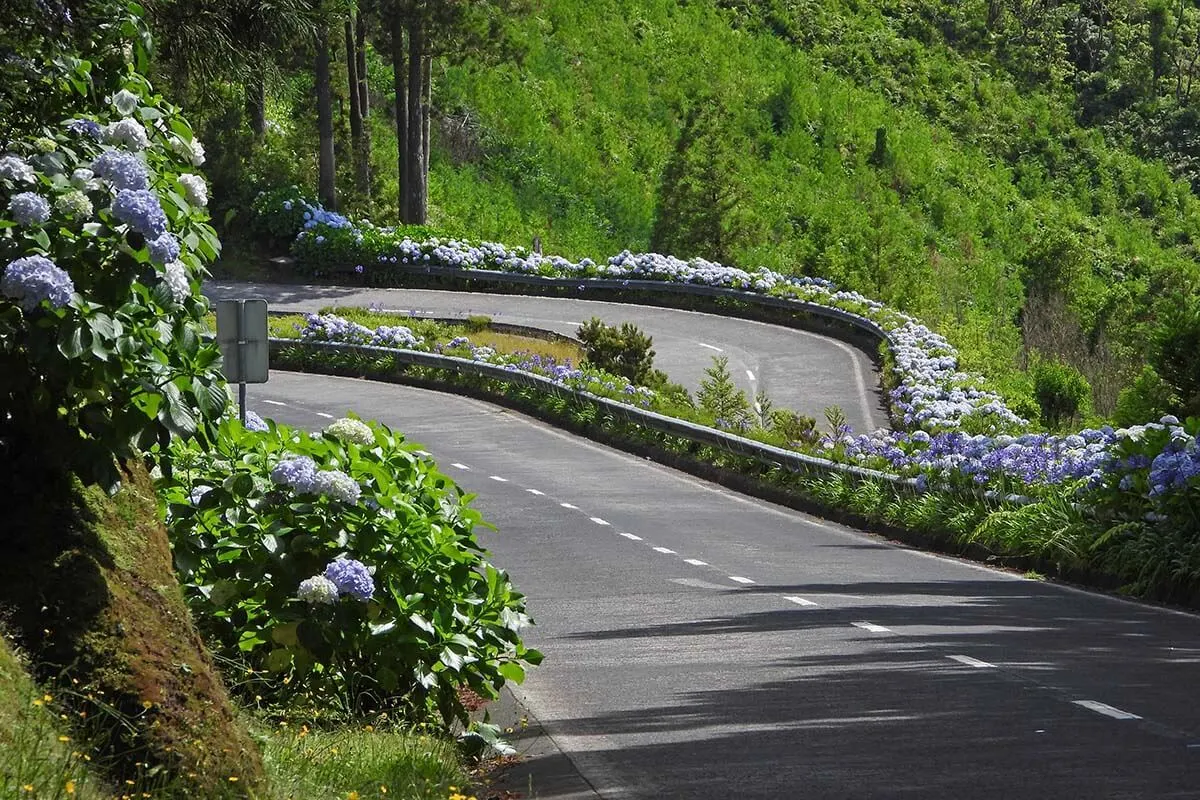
(1020, 175)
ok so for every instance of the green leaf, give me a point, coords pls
(421, 623)
(380, 629)
(70, 342)
(512, 671)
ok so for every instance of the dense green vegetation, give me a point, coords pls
(1013, 173)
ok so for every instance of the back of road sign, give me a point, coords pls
(242, 337)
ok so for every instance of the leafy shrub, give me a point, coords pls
(101, 251)
(478, 322)
(622, 351)
(792, 427)
(268, 517)
(1062, 392)
(1148, 397)
(279, 213)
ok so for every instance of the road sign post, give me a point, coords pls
(245, 351)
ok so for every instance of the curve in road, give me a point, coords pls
(797, 369)
(704, 645)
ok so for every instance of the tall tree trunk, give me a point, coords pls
(256, 106)
(426, 109)
(326, 184)
(364, 102)
(416, 196)
(399, 84)
(362, 174)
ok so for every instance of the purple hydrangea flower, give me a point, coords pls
(123, 170)
(32, 279)
(29, 208)
(140, 208)
(351, 577)
(164, 249)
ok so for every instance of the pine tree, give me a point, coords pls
(720, 397)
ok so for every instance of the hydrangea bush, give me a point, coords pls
(344, 564)
(102, 246)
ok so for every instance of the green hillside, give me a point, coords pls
(930, 154)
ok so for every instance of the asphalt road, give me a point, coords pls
(797, 369)
(705, 645)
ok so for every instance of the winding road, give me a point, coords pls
(701, 644)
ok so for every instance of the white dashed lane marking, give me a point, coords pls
(498, 478)
(663, 550)
(457, 465)
(274, 403)
(750, 375)
(710, 347)
(972, 662)
(324, 415)
(632, 537)
(740, 579)
(872, 627)
(598, 520)
(535, 491)
(568, 505)
(1105, 709)
(800, 601)
(695, 562)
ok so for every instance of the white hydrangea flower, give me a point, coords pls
(74, 204)
(127, 132)
(126, 102)
(318, 590)
(351, 430)
(82, 178)
(194, 189)
(338, 485)
(192, 151)
(176, 279)
(14, 168)
(513, 620)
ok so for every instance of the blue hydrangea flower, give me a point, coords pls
(32, 279)
(164, 249)
(123, 170)
(140, 208)
(318, 590)
(255, 423)
(82, 127)
(351, 577)
(29, 208)
(297, 473)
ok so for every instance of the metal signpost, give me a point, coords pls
(242, 337)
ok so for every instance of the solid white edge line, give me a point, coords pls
(1105, 709)
(872, 627)
(598, 520)
(972, 662)
(740, 579)
(695, 562)
(498, 478)
(665, 550)
(535, 491)
(274, 403)
(800, 601)
(632, 537)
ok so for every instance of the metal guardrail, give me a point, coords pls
(738, 445)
